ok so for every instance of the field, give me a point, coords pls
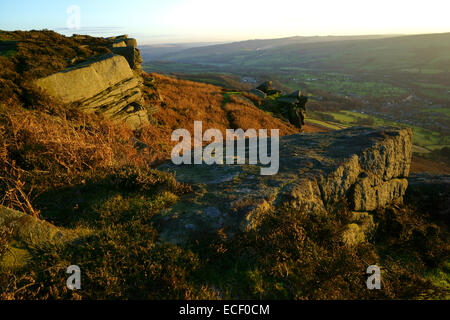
(427, 139)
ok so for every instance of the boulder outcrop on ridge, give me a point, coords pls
(105, 85)
(365, 167)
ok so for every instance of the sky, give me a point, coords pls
(173, 21)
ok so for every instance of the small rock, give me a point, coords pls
(265, 87)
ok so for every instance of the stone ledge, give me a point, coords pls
(105, 85)
(366, 167)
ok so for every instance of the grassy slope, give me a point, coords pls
(422, 137)
(242, 47)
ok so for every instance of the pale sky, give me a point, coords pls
(163, 21)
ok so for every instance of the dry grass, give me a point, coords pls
(188, 101)
(47, 143)
(420, 164)
(39, 151)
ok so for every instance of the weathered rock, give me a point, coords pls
(273, 92)
(366, 167)
(370, 197)
(296, 94)
(105, 85)
(359, 229)
(258, 93)
(132, 55)
(31, 230)
(294, 107)
(119, 44)
(127, 47)
(28, 231)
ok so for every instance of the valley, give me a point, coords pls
(397, 80)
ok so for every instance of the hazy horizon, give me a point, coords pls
(187, 21)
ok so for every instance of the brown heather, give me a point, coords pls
(188, 101)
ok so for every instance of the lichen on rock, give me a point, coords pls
(365, 167)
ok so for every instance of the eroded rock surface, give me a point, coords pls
(430, 193)
(367, 167)
(105, 85)
(127, 47)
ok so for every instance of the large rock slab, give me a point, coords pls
(106, 85)
(365, 167)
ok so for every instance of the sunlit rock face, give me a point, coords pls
(109, 85)
(366, 168)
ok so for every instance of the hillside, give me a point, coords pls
(400, 81)
(82, 184)
(159, 51)
(221, 52)
(375, 54)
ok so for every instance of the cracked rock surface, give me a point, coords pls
(105, 85)
(366, 167)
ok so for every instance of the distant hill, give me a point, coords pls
(159, 51)
(429, 53)
(229, 49)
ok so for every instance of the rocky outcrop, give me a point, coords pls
(121, 45)
(258, 93)
(127, 47)
(292, 106)
(28, 229)
(105, 85)
(365, 167)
